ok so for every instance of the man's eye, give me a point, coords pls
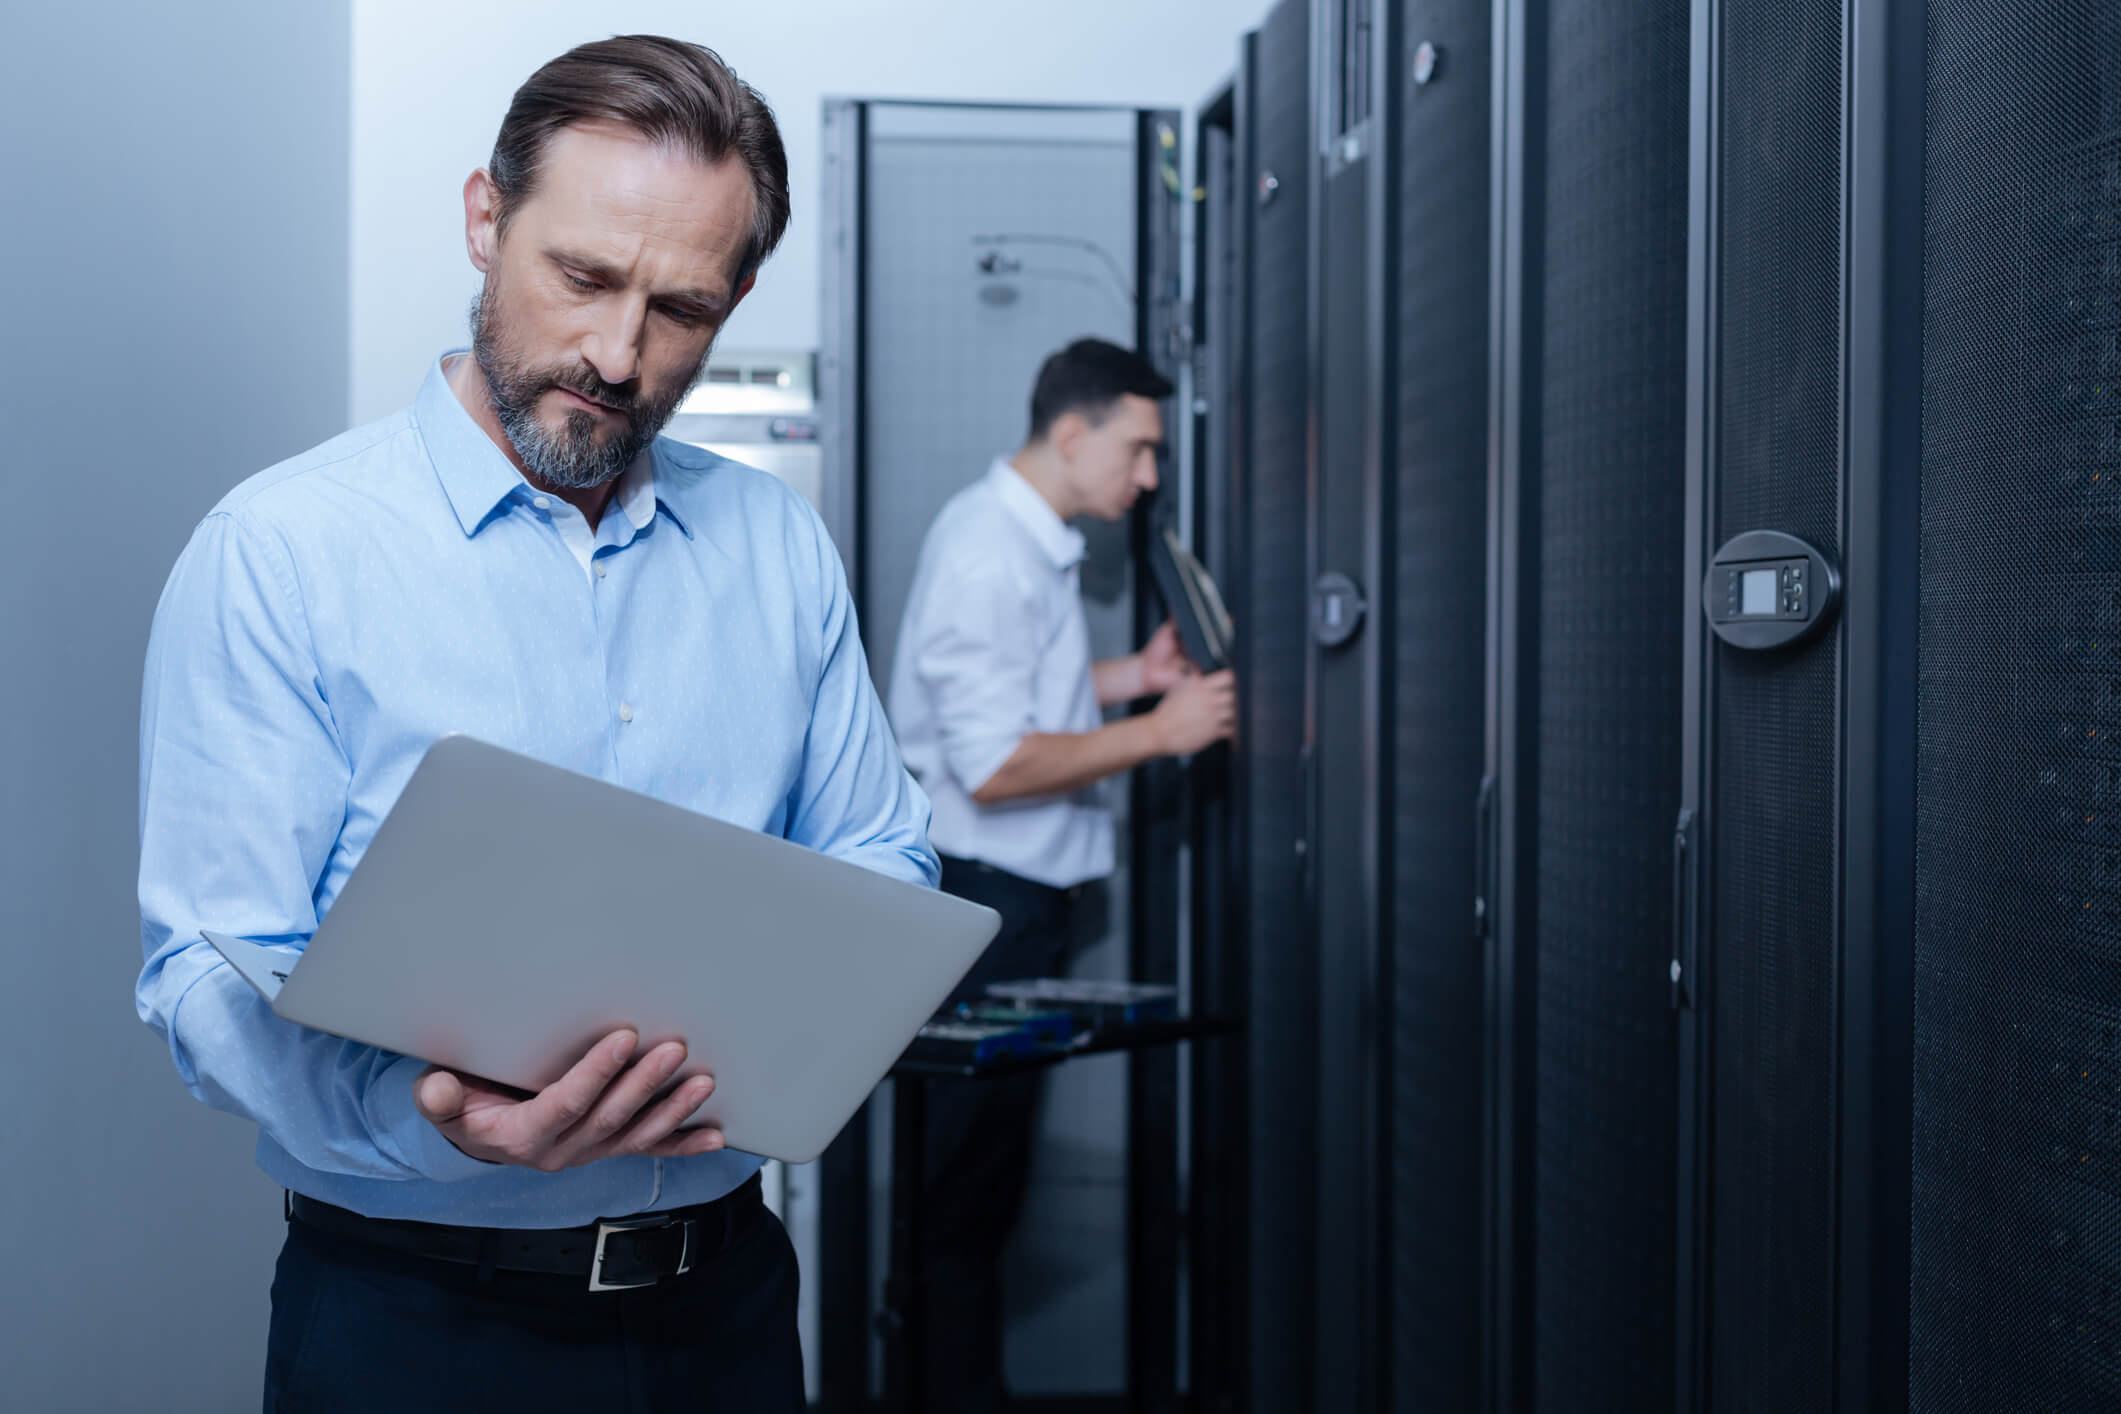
(686, 317)
(577, 282)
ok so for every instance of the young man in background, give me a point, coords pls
(998, 709)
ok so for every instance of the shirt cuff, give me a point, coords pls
(406, 1135)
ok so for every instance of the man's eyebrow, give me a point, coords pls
(703, 301)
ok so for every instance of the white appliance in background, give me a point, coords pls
(759, 408)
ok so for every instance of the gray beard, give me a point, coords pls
(573, 458)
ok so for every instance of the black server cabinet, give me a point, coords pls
(1585, 709)
(1430, 992)
(1794, 848)
(1903, 1079)
(1342, 482)
(1759, 847)
(1350, 642)
(1274, 1353)
(2016, 1236)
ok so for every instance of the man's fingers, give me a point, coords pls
(685, 1144)
(563, 1104)
(657, 1126)
(622, 1101)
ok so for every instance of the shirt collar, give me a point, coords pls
(477, 477)
(1063, 543)
(635, 493)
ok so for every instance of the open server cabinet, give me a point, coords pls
(964, 242)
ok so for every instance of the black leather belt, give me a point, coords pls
(611, 1256)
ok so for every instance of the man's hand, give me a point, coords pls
(1160, 666)
(598, 1110)
(1196, 713)
(1164, 664)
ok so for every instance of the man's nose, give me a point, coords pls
(613, 346)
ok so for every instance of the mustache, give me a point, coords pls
(582, 380)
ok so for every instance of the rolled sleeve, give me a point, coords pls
(978, 664)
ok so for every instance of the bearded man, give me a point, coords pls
(519, 557)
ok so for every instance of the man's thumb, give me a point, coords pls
(439, 1095)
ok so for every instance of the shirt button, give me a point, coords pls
(625, 711)
(543, 503)
(600, 569)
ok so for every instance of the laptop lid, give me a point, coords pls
(509, 913)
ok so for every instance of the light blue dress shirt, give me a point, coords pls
(335, 615)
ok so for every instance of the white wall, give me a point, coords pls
(432, 78)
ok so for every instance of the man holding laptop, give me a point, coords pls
(516, 557)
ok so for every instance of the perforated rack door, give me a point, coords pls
(2016, 1247)
(1439, 541)
(1611, 544)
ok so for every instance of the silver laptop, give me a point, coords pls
(509, 913)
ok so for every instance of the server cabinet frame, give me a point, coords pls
(1157, 830)
(1219, 970)
(844, 1335)
(1507, 815)
(1280, 988)
(1884, 65)
(1693, 963)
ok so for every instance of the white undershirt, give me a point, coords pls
(634, 497)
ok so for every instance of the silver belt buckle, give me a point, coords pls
(604, 1230)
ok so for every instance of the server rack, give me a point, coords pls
(1842, 971)
(1267, 766)
(1796, 872)
(1429, 998)
(2015, 1248)
(1584, 722)
(1349, 649)
(1352, 555)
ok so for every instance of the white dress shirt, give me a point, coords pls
(994, 647)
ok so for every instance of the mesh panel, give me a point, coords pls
(2016, 1302)
(1441, 555)
(1270, 665)
(1613, 478)
(1778, 460)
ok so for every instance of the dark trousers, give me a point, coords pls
(979, 1153)
(358, 1329)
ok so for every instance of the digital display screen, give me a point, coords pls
(1756, 593)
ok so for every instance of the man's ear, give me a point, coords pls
(482, 232)
(1066, 434)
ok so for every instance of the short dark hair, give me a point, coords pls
(1088, 377)
(669, 92)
